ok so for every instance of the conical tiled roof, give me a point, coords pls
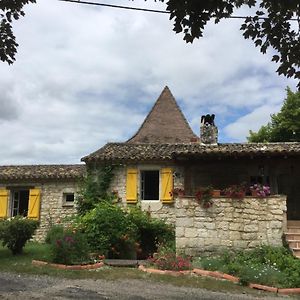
(165, 123)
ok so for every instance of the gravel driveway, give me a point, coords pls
(13, 286)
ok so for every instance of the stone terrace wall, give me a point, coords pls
(229, 223)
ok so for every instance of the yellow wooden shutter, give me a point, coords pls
(34, 204)
(131, 185)
(166, 185)
(4, 197)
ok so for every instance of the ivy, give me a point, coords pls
(94, 188)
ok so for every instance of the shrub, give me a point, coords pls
(16, 231)
(69, 247)
(54, 233)
(109, 230)
(151, 232)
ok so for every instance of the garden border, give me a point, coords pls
(224, 276)
(205, 273)
(68, 267)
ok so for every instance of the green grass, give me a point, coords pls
(22, 264)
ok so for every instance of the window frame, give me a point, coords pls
(149, 168)
(66, 203)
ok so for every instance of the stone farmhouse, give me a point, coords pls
(165, 154)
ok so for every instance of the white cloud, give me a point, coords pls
(87, 75)
(239, 129)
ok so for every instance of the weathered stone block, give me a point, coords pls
(251, 228)
(190, 232)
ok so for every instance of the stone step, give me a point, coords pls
(293, 224)
(292, 236)
(294, 243)
(123, 262)
(293, 230)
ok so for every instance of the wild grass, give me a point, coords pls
(273, 266)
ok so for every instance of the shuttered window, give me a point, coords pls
(166, 185)
(34, 204)
(4, 197)
(131, 185)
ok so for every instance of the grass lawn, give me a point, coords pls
(22, 264)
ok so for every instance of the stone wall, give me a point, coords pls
(229, 223)
(53, 208)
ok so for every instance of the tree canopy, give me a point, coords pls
(284, 126)
(269, 27)
(10, 10)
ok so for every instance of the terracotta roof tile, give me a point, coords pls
(122, 152)
(165, 123)
(25, 172)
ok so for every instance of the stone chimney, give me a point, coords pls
(208, 130)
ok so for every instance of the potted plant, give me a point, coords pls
(204, 196)
(260, 190)
(237, 191)
(177, 192)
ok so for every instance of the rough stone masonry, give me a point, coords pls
(229, 223)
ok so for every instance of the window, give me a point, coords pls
(19, 204)
(150, 185)
(68, 199)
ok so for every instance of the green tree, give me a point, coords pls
(284, 126)
(270, 26)
(10, 10)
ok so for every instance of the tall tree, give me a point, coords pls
(10, 10)
(284, 126)
(270, 26)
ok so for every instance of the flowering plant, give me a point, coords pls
(170, 261)
(204, 196)
(235, 191)
(69, 246)
(260, 190)
(177, 192)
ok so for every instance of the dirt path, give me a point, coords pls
(13, 286)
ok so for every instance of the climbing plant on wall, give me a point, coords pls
(94, 188)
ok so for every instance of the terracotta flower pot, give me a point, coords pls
(254, 193)
(216, 193)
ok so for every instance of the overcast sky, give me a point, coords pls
(85, 76)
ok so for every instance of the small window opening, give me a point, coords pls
(150, 185)
(69, 198)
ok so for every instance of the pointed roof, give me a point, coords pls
(165, 123)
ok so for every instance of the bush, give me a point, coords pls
(119, 233)
(109, 231)
(69, 246)
(16, 231)
(54, 233)
(151, 232)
